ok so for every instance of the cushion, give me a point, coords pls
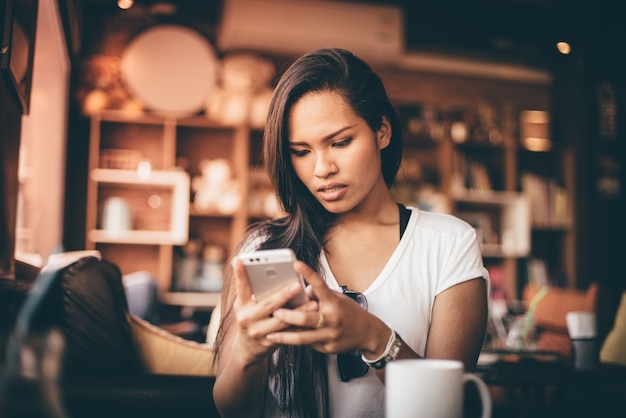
(85, 301)
(166, 353)
(549, 316)
(551, 309)
(614, 348)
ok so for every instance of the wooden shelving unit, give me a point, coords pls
(492, 197)
(477, 175)
(173, 148)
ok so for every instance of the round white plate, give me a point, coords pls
(170, 69)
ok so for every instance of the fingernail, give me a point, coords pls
(294, 287)
(311, 306)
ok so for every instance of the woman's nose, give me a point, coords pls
(324, 166)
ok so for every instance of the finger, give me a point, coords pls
(318, 285)
(281, 297)
(311, 306)
(310, 294)
(304, 318)
(275, 323)
(298, 337)
(242, 284)
(262, 327)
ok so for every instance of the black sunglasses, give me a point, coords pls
(350, 363)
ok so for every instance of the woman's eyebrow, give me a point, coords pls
(327, 137)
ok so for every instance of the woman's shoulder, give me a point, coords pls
(442, 222)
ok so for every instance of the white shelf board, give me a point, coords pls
(137, 237)
(514, 229)
(192, 299)
(179, 181)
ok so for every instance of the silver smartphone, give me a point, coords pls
(270, 270)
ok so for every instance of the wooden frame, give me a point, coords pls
(17, 46)
(71, 25)
(178, 182)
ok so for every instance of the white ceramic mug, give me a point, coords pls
(429, 388)
(116, 215)
(581, 327)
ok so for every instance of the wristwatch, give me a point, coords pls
(390, 353)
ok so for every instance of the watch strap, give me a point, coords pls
(391, 352)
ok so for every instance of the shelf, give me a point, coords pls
(487, 197)
(481, 179)
(552, 228)
(495, 251)
(129, 117)
(137, 177)
(137, 237)
(214, 214)
(148, 118)
(191, 299)
(505, 215)
(147, 162)
(176, 184)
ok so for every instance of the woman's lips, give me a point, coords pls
(332, 192)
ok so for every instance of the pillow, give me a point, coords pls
(89, 304)
(552, 308)
(166, 353)
(214, 324)
(614, 348)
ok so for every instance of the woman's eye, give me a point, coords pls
(343, 143)
(299, 153)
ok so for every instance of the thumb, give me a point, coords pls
(242, 284)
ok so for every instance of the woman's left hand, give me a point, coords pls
(339, 325)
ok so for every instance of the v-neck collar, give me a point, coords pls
(389, 266)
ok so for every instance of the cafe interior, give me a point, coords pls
(130, 151)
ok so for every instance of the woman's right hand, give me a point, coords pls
(254, 320)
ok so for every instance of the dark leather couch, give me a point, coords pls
(94, 369)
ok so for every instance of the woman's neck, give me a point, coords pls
(360, 244)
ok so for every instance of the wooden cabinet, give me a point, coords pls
(465, 154)
(150, 162)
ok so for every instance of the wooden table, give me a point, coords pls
(542, 384)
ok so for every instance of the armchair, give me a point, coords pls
(112, 363)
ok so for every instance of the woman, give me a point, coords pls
(333, 146)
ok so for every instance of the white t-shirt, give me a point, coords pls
(437, 251)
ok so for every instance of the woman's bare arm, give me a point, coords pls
(459, 323)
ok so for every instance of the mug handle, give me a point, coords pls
(485, 397)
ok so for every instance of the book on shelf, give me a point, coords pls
(470, 174)
(540, 272)
(549, 200)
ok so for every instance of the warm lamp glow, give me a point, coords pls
(563, 47)
(535, 130)
(533, 143)
(124, 4)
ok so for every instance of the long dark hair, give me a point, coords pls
(300, 373)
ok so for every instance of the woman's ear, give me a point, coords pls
(383, 135)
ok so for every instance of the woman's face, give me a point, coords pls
(335, 153)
